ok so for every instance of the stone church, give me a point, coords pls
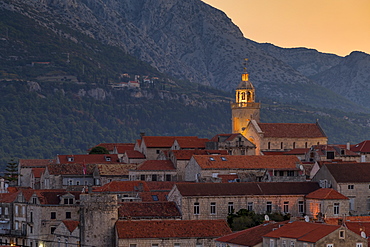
(269, 136)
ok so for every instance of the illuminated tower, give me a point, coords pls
(245, 108)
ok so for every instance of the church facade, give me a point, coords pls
(269, 136)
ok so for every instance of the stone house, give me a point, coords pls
(180, 158)
(46, 211)
(155, 233)
(234, 144)
(326, 203)
(249, 168)
(88, 159)
(154, 170)
(331, 152)
(106, 173)
(67, 233)
(11, 232)
(300, 234)
(126, 191)
(133, 157)
(363, 149)
(205, 201)
(29, 169)
(251, 237)
(350, 179)
(151, 146)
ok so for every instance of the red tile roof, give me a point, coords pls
(115, 169)
(326, 194)
(291, 130)
(251, 188)
(71, 224)
(160, 185)
(154, 196)
(123, 186)
(352, 172)
(89, 159)
(36, 162)
(247, 162)
(167, 141)
(8, 197)
(303, 231)
(362, 147)
(187, 154)
(186, 143)
(132, 210)
(52, 197)
(297, 151)
(70, 169)
(251, 236)
(339, 220)
(156, 165)
(133, 154)
(228, 177)
(37, 172)
(172, 229)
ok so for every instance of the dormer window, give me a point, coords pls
(70, 159)
(68, 201)
(107, 158)
(212, 159)
(223, 158)
(34, 200)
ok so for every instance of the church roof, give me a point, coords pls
(291, 130)
(245, 85)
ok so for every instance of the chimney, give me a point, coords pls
(348, 146)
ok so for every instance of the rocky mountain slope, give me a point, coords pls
(193, 41)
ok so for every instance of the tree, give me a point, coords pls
(99, 150)
(11, 173)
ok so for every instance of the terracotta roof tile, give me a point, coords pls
(172, 229)
(36, 162)
(362, 147)
(71, 224)
(133, 154)
(70, 169)
(160, 185)
(156, 165)
(115, 169)
(123, 186)
(8, 197)
(352, 172)
(339, 220)
(303, 231)
(52, 197)
(154, 196)
(297, 151)
(228, 177)
(251, 236)
(251, 188)
(291, 130)
(186, 154)
(148, 210)
(247, 162)
(88, 159)
(326, 194)
(192, 142)
(37, 172)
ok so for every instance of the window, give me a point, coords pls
(213, 208)
(330, 155)
(330, 245)
(168, 177)
(6, 212)
(352, 203)
(155, 198)
(154, 177)
(176, 245)
(198, 245)
(269, 145)
(286, 207)
(155, 245)
(34, 200)
(230, 207)
(23, 211)
(272, 243)
(341, 234)
(212, 159)
(31, 216)
(53, 215)
(196, 208)
(281, 145)
(223, 158)
(290, 173)
(16, 210)
(283, 243)
(359, 245)
(68, 200)
(142, 177)
(250, 206)
(351, 186)
(268, 207)
(157, 151)
(52, 229)
(85, 182)
(70, 159)
(77, 182)
(281, 173)
(336, 208)
(300, 207)
(133, 245)
(292, 243)
(16, 225)
(68, 215)
(70, 182)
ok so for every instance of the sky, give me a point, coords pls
(330, 26)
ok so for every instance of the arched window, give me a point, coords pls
(269, 145)
(243, 95)
(249, 96)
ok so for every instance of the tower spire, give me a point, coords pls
(245, 75)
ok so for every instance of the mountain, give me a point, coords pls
(186, 39)
(60, 58)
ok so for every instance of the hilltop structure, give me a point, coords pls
(269, 136)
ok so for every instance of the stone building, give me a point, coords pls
(205, 201)
(30, 171)
(148, 211)
(155, 233)
(350, 179)
(331, 152)
(154, 170)
(301, 234)
(363, 149)
(248, 168)
(269, 136)
(67, 233)
(326, 203)
(234, 144)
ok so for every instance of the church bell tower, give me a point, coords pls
(244, 109)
